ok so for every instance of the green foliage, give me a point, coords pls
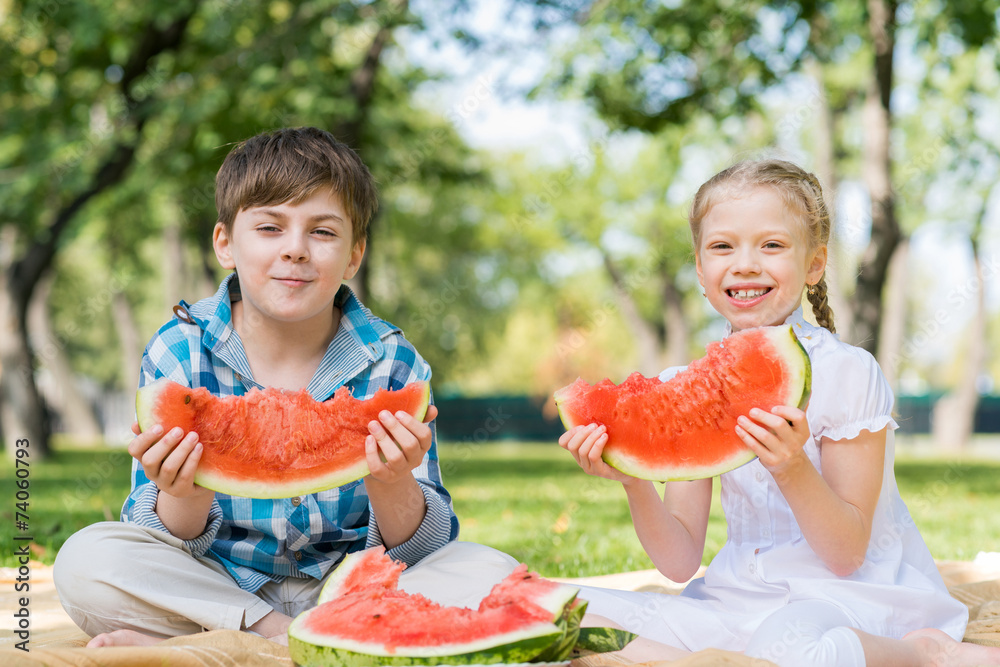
(67, 492)
(241, 69)
(650, 65)
(491, 264)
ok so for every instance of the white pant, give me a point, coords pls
(810, 632)
(114, 575)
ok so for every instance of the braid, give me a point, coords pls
(820, 305)
(811, 179)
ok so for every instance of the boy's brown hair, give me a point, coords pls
(289, 165)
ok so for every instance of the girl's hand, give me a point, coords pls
(397, 444)
(586, 444)
(169, 460)
(776, 437)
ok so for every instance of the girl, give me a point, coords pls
(823, 564)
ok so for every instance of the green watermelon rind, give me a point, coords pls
(799, 369)
(569, 623)
(309, 649)
(498, 650)
(601, 640)
(800, 384)
(145, 402)
(271, 490)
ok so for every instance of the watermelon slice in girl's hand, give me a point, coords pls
(685, 428)
(275, 443)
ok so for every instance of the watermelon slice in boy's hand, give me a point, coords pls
(684, 428)
(275, 443)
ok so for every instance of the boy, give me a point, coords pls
(294, 206)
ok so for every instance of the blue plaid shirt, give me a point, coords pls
(266, 540)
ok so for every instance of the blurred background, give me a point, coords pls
(535, 158)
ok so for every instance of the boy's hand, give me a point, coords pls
(586, 444)
(397, 444)
(170, 460)
(776, 437)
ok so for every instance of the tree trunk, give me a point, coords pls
(826, 167)
(351, 129)
(174, 266)
(128, 340)
(62, 391)
(675, 325)
(867, 303)
(23, 410)
(894, 315)
(646, 337)
(955, 413)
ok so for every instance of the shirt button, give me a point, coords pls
(296, 501)
(298, 555)
(750, 567)
(760, 476)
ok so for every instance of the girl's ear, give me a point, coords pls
(817, 265)
(223, 246)
(697, 268)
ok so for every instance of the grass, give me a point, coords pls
(529, 500)
(71, 490)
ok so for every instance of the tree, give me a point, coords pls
(53, 153)
(960, 93)
(102, 100)
(646, 67)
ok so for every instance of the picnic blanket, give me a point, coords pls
(55, 640)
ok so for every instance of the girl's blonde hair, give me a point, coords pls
(800, 191)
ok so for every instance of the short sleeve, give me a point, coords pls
(849, 394)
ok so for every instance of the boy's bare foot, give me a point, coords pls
(940, 650)
(122, 638)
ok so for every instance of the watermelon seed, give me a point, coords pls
(187, 399)
(377, 616)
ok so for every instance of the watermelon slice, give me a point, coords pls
(358, 624)
(275, 443)
(362, 618)
(684, 428)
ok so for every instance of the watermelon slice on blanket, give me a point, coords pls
(273, 443)
(684, 428)
(362, 618)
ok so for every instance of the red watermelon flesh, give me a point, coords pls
(355, 620)
(274, 443)
(684, 428)
(370, 571)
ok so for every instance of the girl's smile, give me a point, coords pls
(754, 260)
(745, 296)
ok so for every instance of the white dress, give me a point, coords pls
(766, 563)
